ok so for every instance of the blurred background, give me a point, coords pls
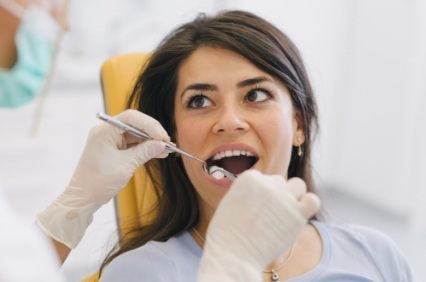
(367, 62)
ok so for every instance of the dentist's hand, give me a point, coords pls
(109, 160)
(258, 219)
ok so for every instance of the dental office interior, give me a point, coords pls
(367, 64)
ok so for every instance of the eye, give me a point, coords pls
(258, 95)
(198, 101)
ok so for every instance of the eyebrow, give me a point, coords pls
(212, 87)
(252, 81)
(199, 86)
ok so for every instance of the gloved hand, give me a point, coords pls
(108, 162)
(258, 219)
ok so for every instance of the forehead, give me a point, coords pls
(207, 64)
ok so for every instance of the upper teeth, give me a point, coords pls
(231, 153)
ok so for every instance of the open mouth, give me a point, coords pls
(234, 161)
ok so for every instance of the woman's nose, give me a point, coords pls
(230, 119)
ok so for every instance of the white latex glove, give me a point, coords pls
(258, 219)
(105, 167)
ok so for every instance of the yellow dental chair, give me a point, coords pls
(118, 76)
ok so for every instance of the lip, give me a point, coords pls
(225, 182)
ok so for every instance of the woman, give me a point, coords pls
(232, 90)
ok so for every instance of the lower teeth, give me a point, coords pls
(216, 173)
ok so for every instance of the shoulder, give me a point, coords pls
(155, 261)
(355, 232)
(368, 238)
(361, 242)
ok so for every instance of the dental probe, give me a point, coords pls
(169, 145)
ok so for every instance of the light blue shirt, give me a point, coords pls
(351, 253)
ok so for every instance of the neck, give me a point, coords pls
(282, 260)
(206, 214)
(198, 233)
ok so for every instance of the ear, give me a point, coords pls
(298, 130)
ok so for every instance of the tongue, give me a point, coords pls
(236, 165)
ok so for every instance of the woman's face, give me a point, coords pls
(233, 115)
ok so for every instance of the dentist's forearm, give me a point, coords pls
(62, 250)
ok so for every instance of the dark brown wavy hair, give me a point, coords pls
(154, 94)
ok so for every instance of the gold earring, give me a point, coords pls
(300, 151)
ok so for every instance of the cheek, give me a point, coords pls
(189, 135)
(276, 133)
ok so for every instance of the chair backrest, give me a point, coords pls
(136, 201)
(118, 76)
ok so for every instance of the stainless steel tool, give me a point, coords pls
(169, 145)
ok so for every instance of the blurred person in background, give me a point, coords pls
(29, 35)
